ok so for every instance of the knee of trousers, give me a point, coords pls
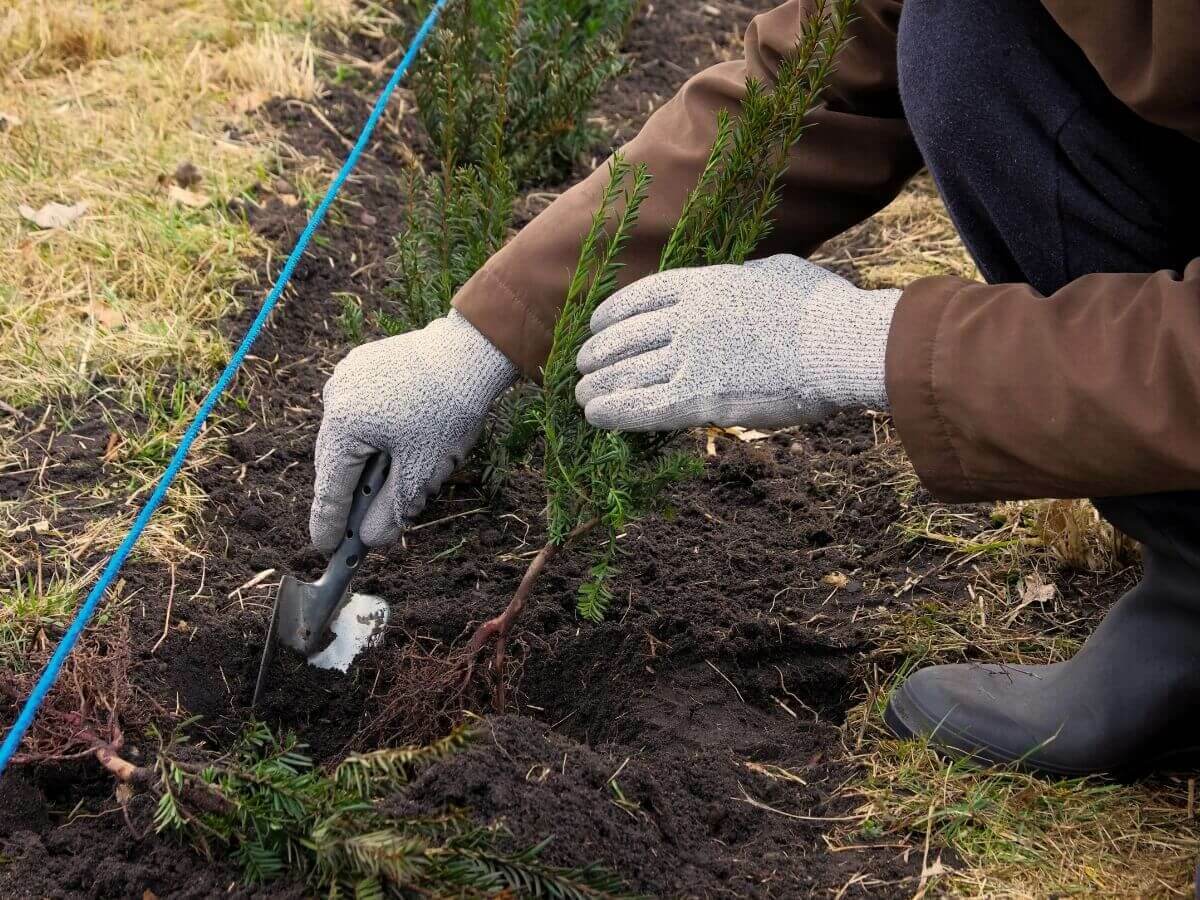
(953, 81)
(979, 79)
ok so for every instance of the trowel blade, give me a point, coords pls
(357, 625)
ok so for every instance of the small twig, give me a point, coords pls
(458, 515)
(257, 579)
(758, 804)
(167, 620)
(723, 675)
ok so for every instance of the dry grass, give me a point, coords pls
(912, 238)
(1013, 582)
(114, 314)
(108, 101)
(997, 833)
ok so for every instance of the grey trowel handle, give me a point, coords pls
(351, 551)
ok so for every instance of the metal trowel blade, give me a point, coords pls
(357, 625)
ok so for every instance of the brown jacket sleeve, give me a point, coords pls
(854, 159)
(999, 392)
(1146, 52)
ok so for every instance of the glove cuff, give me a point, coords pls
(848, 358)
(875, 322)
(489, 372)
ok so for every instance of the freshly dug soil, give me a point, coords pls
(691, 742)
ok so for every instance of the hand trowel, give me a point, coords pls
(322, 620)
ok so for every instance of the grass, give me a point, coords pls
(112, 317)
(998, 833)
(27, 606)
(1006, 834)
(986, 832)
(912, 238)
(107, 105)
(97, 100)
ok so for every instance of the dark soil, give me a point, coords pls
(647, 743)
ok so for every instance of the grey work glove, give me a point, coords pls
(772, 343)
(422, 397)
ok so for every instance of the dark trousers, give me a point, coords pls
(1048, 176)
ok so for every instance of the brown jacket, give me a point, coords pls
(996, 391)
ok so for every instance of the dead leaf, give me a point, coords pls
(289, 199)
(736, 431)
(711, 447)
(148, 894)
(745, 434)
(124, 793)
(53, 215)
(184, 197)
(1033, 589)
(836, 580)
(114, 444)
(104, 314)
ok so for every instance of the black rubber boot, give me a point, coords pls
(1127, 703)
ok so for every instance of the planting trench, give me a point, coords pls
(655, 743)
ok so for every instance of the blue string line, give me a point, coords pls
(50, 674)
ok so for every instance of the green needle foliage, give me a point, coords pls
(567, 51)
(604, 478)
(460, 216)
(278, 815)
(502, 91)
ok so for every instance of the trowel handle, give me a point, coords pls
(351, 551)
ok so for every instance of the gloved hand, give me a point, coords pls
(422, 397)
(771, 343)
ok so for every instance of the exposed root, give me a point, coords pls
(109, 756)
(423, 696)
(427, 688)
(82, 714)
(500, 627)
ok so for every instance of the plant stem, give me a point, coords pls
(500, 626)
(110, 757)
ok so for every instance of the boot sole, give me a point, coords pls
(908, 721)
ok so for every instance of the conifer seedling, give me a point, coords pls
(597, 481)
(503, 94)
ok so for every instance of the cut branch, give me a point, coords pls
(109, 756)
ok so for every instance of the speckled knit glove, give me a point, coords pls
(771, 343)
(421, 397)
